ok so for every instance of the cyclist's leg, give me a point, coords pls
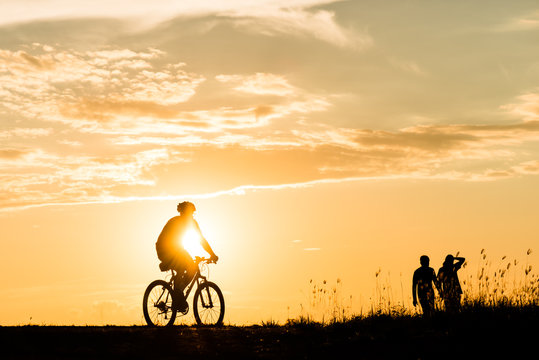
(185, 268)
(190, 271)
(184, 274)
(180, 303)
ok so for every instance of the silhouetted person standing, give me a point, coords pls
(171, 252)
(449, 282)
(422, 286)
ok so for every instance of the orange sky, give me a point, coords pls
(319, 140)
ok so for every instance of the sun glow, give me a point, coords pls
(191, 243)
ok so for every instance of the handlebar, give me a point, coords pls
(199, 259)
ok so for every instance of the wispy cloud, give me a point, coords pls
(416, 153)
(25, 133)
(527, 22)
(526, 106)
(408, 66)
(297, 21)
(259, 83)
(236, 191)
(299, 18)
(159, 10)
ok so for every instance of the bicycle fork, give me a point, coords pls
(210, 302)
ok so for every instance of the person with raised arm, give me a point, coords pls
(449, 283)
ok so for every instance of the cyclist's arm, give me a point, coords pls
(205, 245)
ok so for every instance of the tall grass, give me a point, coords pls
(325, 303)
(501, 282)
(496, 284)
(385, 301)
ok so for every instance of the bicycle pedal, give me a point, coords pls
(183, 310)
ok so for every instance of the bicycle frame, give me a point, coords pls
(198, 279)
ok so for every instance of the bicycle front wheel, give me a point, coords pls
(157, 304)
(209, 304)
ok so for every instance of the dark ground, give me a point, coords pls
(480, 334)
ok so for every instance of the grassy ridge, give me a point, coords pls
(476, 332)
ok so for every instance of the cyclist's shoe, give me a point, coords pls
(180, 303)
(184, 309)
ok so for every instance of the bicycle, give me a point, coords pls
(159, 306)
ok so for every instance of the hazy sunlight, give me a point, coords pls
(191, 243)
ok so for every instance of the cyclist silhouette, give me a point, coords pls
(171, 252)
(449, 282)
(422, 287)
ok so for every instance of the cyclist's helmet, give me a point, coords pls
(186, 206)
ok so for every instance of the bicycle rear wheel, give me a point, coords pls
(157, 304)
(209, 304)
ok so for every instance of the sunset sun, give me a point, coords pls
(191, 243)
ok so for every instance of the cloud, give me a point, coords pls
(114, 124)
(259, 84)
(526, 107)
(324, 156)
(85, 89)
(527, 22)
(299, 22)
(128, 93)
(238, 190)
(35, 176)
(25, 133)
(299, 18)
(408, 66)
(12, 154)
(305, 155)
(159, 10)
(527, 167)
